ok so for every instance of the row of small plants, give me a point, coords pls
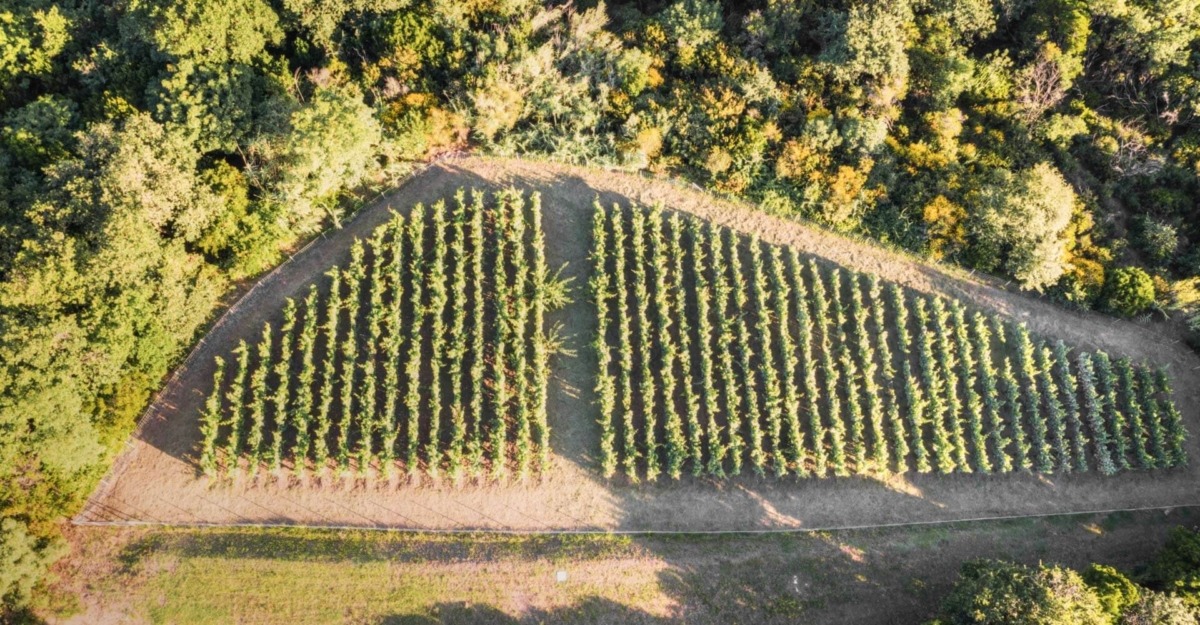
(719, 355)
(425, 354)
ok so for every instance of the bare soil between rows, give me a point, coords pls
(155, 480)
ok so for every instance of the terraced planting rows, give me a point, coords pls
(720, 355)
(425, 354)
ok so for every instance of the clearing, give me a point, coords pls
(354, 577)
(156, 479)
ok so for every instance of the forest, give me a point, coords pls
(155, 155)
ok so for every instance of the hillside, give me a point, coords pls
(156, 479)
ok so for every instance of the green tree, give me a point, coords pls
(206, 31)
(211, 105)
(24, 559)
(319, 20)
(32, 35)
(992, 591)
(1160, 240)
(1019, 221)
(330, 146)
(1115, 591)
(1128, 291)
(244, 236)
(690, 24)
(1155, 608)
(40, 132)
(1176, 570)
(868, 42)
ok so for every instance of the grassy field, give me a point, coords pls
(316, 576)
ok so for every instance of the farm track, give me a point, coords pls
(156, 480)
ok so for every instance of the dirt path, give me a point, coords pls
(156, 481)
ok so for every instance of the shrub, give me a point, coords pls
(791, 453)
(1115, 591)
(932, 377)
(751, 412)
(691, 399)
(25, 558)
(365, 376)
(1128, 291)
(1093, 415)
(629, 451)
(1176, 569)
(1067, 382)
(1155, 608)
(644, 344)
(702, 248)
(997, 592)
(982, 354)
(1176, 433)
(675, 443)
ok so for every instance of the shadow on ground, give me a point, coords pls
(861, 576)
(590, 610)
(893, 575)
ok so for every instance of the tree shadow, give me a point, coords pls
(895, 575)
(590, 610)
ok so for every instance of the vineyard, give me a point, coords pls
(718, 354)
(425, 354)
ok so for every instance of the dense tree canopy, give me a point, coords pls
(990, 591)
(1177, 567)
(1013, 594)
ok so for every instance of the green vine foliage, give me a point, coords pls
(790, 369)
(361, 398)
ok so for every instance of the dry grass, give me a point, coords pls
(304, 576)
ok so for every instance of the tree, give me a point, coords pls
(329, 146)
(1042, 84)
(1128, 291)
(1176, 570)
(944, 227)
(31, 37)
(319, 20)
(1156, 608)
(212, 106)
(24, 559)
(244, 236)
(101, 296)
(992, 591)
(39, 133)
(868, 43)
(141, 168)
(207, 31)
(1115, 591)
(1018, 224)
(690, 24)
(1158, 239)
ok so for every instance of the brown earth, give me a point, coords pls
(156, 480)
(888, 575)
